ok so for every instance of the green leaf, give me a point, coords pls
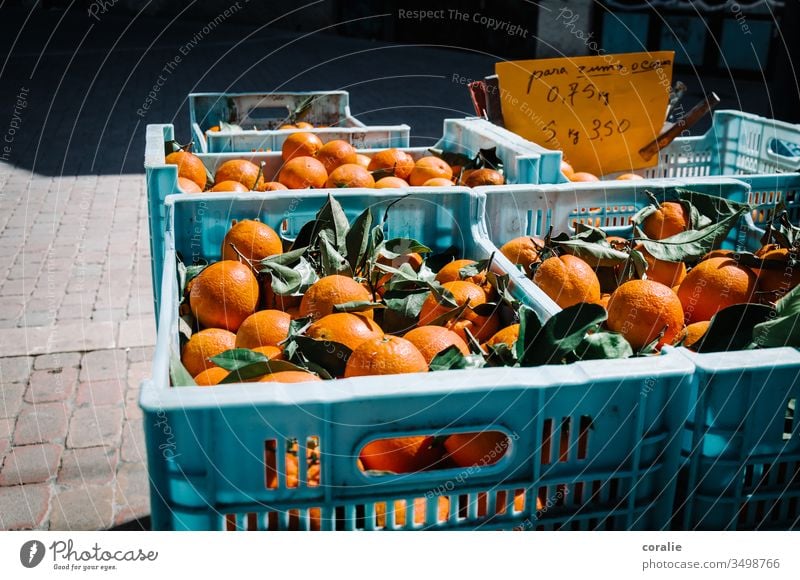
(789, 304)
(259, 369)
(357, 306)
(713, 207)
(237, 358)
(331, 356)
(357, 240)
(308, 234)
(603, 345)
(396, 247)
(784, 328)
(333, 214)
(732, 328)
(438, 261)
(452, 358)
(285, 259)
(593, 253)
(285, 280)
(332, 261)
(443, 296)
(562, 334)
(178, 375)
(691, 244)
(640, 216)
(589, 233)
(530, 325)
(406, 304)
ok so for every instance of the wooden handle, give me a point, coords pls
(673, 130)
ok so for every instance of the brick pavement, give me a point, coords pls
(76, 333)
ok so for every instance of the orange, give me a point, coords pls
(400, 454)
(774, 283)
(327, 292)
(507, 335)
(715, 284)
(229, 185)
(604, 298)
(437, 182)
(464, 292)
(223, 295)
(272, 186)
(336, 153)
(669, 219)
(302, 173)
(583, 176)
(568, 280)
(263, 328)
(523, 251)
(452, 272)
(245, 172)
(387, 355)
(289, 377)
(567, 170)
(188, 186)
(420, 506)
(629, 177)
(189, 166)
(350, 175)
(469, 449)
(303, 125)
(214, 129)
(202, 346)
(428, 168)
(271, 352)
(431, 340)
(641, 309)
(667, 273)
(300, 144)
(363, 160)
(349, 329)
(253, 239)
(389, 182)
(210, 377)
(287, 127)
(693, 332)
(398, 162)
(484, 176)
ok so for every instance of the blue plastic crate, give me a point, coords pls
(524, 163)
(260, 115)
(742, 459)
(737, 144)
(206, 445)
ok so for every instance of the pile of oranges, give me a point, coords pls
(672, 303)
(233, 306)
(308, 163)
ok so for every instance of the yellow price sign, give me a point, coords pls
(598, 110)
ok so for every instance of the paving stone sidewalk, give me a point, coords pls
(76, 336)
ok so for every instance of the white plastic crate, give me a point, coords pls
(260, 114)
(206, 445)
(742, 456)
